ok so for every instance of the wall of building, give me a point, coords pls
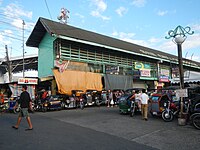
(46, 56)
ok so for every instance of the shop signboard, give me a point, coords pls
(163, 79)
(112, 69)
(139, 65)
(148, 78)
(27, 81)
(164, 72)
(175, 72)
(145, 72)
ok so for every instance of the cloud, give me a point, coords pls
(165, 12)
(1, 38)
(13, 14)
(100, 7)
(81, 17)
(4, 41)
(154, 40)
(123, 35)
(128, 37)
(162, 13)
(195, 27)
(121, 11)
(15, 11)
(192, 41)
(100, 4)
(17, 23)
(8, 31)
(139, 3)
(99, 15)
(190, 45)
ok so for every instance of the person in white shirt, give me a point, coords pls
(144, 102)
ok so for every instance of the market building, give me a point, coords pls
(70, 58)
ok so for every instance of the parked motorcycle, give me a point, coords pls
(167, 113)
(41, 105)
(133, 108)
(101, 98)
(196, 120)
(3, 107)
(88, 98)
(82, 104)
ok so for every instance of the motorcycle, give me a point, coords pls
(3, 107)
(196, 120)
(82, 104)
(167, 113)
(88, 98)
(41, 106)
(173, 109)
(133, 108)
(101, 98)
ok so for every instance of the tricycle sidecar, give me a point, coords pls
(128, 106)
(157, 103)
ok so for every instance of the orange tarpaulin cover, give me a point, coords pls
(77, 80)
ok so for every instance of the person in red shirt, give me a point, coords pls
(44, 95)
(1, 98)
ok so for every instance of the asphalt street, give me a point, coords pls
(95, 128)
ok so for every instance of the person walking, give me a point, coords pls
(144, 105)
(25, 103)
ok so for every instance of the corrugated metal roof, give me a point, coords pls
(189, 76)
(56, 28)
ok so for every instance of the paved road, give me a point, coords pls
(99, 128)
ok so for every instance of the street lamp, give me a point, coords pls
(179, 36)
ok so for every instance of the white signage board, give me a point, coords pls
(182, 93)
(27, 81)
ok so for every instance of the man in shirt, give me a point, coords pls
(144, 102)
(25, 103)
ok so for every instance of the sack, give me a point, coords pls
(112, 102)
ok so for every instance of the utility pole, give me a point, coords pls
(23, 23)
(9, 65)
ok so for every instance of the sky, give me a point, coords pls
(142, 22)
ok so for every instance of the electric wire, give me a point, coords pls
(48, 9)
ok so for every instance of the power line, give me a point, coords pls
(13, 25)
(48, 9)
(12, 37)
(9, 24)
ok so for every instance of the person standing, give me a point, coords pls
(138, 99)
(25, 103)
(110, 98)
(144, 104)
